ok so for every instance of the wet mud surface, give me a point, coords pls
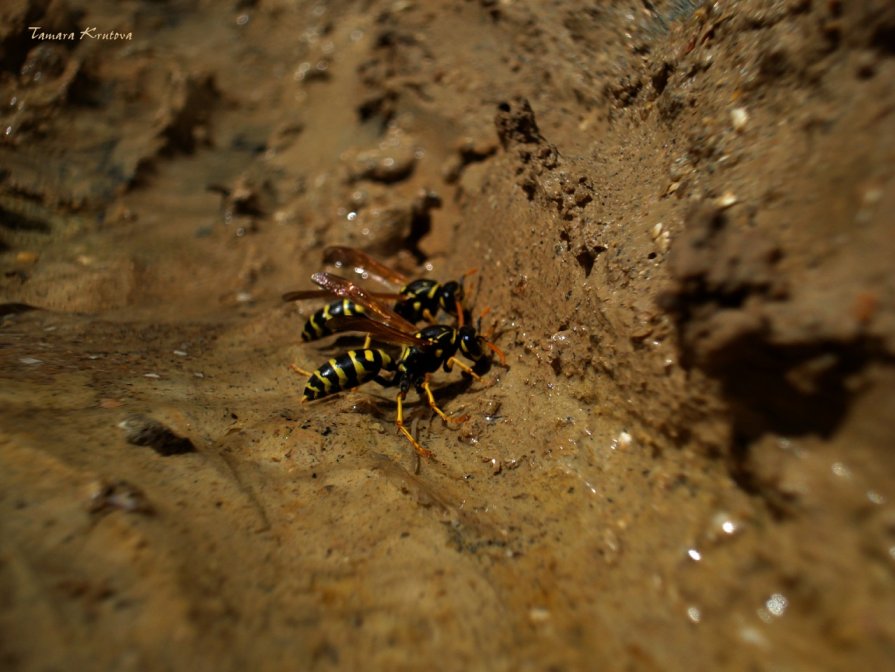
(680, 219)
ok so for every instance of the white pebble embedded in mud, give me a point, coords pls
(694, 614)
(726, 200)
(739, 117)
(623, 441)
(538, 615)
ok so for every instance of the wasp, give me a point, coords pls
(416, 300)
(423, 352)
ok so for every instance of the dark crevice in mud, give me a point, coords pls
(18, 42)
(466, 156)
(793, 390)
(182, 133)
(742, 322)
(661, 76)
(883, 40)
(18, 222)
(556, 365)
(515, 122)
(778, 504)
(378, 109)
(145, 172)
(421, 222)
(15, 308)
(586, 258)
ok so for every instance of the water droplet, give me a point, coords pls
(841, 470)
(776, 604)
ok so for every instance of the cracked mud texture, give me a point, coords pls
(680, 217)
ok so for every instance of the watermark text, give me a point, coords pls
(89, 33)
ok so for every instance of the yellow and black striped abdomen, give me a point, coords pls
(344, 372)
(317, 325)
(420, 302)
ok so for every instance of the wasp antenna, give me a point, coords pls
(502, 357)
(459, 313)
(479, 323)
(475, 292)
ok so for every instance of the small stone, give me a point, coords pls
(739, 117)
(141, 430)
(727, 200)
(26, 257)
(119, 495)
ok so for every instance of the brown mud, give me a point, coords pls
(681, 218)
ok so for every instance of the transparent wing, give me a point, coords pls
(362, 264)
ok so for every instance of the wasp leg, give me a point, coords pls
(399, 421)
(463, 367)
(300, 371)
(367, 342)
(385, 382)
(434, 406)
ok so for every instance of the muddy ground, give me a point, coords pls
(680, 214)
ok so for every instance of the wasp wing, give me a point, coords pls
(378, 331)
(362, 264)
(303, 294)
(377, 309)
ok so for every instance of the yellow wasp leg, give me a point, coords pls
(399, 421)
(295, 368)
(434, 407)
(453, 360)
(300, 371)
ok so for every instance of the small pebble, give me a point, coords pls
(119, 495)
(538, 615)
(739, 117)
(141, 430)
(727, 199)
(26, 257)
